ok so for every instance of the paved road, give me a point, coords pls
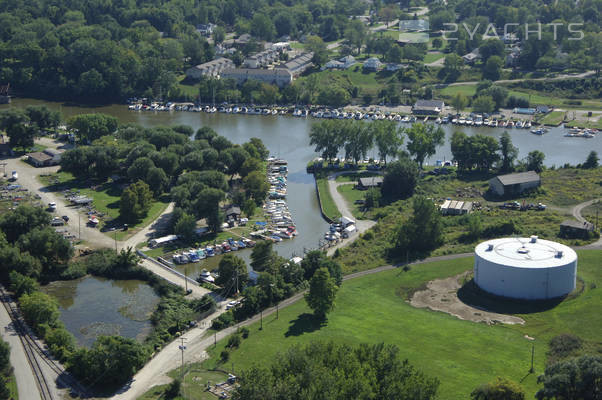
(341, 203)
(556, 78)
(577, 214)
(26, 383)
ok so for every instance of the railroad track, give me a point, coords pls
(31, 347)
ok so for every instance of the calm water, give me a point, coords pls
(126, 307)
(287, 137)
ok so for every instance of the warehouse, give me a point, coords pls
(525, 268)
(514, 184)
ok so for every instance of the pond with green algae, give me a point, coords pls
(93, 306)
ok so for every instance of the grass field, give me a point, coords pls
(554, 118)
(12, 387)
(466, 90)
(461, 354)
(193, 385)
(586, 124)
(432, 57)
(188, 89)
(326, 201)
(351, 195)
(106, 198)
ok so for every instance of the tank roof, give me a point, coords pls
(526, 252)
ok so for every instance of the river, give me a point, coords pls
(287, 137)
(126, 307)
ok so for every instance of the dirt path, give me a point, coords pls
(442, 295)
(577, 214)
(556, 78)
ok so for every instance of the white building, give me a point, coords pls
(373, 64)
(212, 68)
(299, 64)
(279, 76)
(525, 268)
(263, 58)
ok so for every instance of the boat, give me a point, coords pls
(503, 124)
(438, 120)
(206, 276)
(539, 131)
(510, 124)
(519, 125)
(527, 125)
(276, 238)
(405, 119)
(210, 251)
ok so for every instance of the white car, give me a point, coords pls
(52, 206)
(14, 176)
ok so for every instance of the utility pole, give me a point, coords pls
(182, 347)
(115, 236)
(214, 339)
(186, 278)
(79, 224)
(276, 310)
(261, 326)
(532, 357)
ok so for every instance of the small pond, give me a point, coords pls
(93, 306)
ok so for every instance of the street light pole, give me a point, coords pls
(182, 347)
(261, 314)
(186, 279)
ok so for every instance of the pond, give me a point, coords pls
(93, 306)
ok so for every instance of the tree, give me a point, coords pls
(158, 180)
(500, 389)
(388, 138)
(509, 152)
(400, 179)
(232, 272)
(459, 102)
(316, 45)
(372, 198)
(4, 356)
(491, 47)
(321, 294)
(424, 140)
(256, 186)
(219, 35)
(591, 161)
(262, 255)
(497, 93)
(262, 27)
(535, 161)
(135, 202)
(337, 371)
(17, 125)
(423, 232)
(483, 104)
(317, 259)
(493, 68)
(185, 227)
(452, 66)
(206, 205)
(21, 284)
(356, 34)
(577, 379)
(43, 117)
(173, 390)
(90, 127)
(334, 96)
(22, 220)
(39, 309)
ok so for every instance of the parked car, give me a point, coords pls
(52, 207)
(14, 176)
(65, 218)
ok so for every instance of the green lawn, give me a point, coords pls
(188, 89)
(351, 195)
(326, 201)
(194, 384)
(461, 354)
(466, 90)
(12, 387)
(432, 57)
(586, 124)
(106, 198)
(554, 118)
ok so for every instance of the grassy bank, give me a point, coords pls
(554, 118)
(329, 208)
(373, 309)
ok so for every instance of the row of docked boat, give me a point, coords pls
(479, 120)
(198, 254)
(582, 133)
(279, 221)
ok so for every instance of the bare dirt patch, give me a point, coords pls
(442, 295)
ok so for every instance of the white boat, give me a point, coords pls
(405, 119)
(519, 124)
(527, 125)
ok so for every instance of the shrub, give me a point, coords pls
(224, 355)
(233, 341)
(223, 321)
(244, 332)
(368, 236)
(564, 345)
(173, 390)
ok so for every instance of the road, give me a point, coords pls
(155, 371)
(577, 214)
(556, 78)
(362, 225)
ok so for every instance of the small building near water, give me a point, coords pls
(369, 182)
(45, 158)
(233, 213)
(576, 229)
(162, 240)
(514, 184)
(428, 107)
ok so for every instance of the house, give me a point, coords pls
(542, 109)
(372, 64)
(45, 158)
(456, 207)
(242, 40)
(342, 63)
(428, 107)
(512, 57)
(233, 213)
(370, 182)
(206, 29)
(299, 64)
(471, 57)
(392, 67)
(514, 184)
(576, 229)
(279, 76)
(332, 64)
(212, 68)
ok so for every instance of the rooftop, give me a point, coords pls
(578, 225)
(429, 104)
(520, 177)
(526, 252)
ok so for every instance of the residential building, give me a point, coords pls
(428, 107)
(212, 68)
(514, 184)
(369, 182)
(341, 63)
(278, 76)
(205, 29)
(471, 57)
(299, 64)
(372, 64)
(512, 57)
(392, 67)
(262, 59)
(233, 213)
(45, 158)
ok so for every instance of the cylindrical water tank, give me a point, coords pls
(525, 268)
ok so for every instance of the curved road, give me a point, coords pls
(577, 214)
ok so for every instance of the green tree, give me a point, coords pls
(22, 220)
(322, 293)
(256, 186)
(43, 117)
(491, 47)
(483, 104)
(39, 309)
(499, 94)
(388, 138)
(424, 140)
(206, 205)
(16, 124)
(535, 161)
(4, 356)
(509, 152)
(262, 256)
(591, 161)
(185, 228)
(135, 202)
(21, 284)
(219, 35)
(372, 198)
(316, 45)
(90, 127)
(356, 34)
(317, 259)
(174, 389)
(232, 271)
(577, 378)
(500, 389)
(334, 96)
(4, 390)
(492, 69)
(423, 232)
(459, 102)
(400, 179)
(263, 27)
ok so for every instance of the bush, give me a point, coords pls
(368, 236)
(224, 355)
(233, 341)
(173, 390)
(564, 345)
(223, 321)
(244, 332)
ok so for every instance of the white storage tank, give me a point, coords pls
(525, 268)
